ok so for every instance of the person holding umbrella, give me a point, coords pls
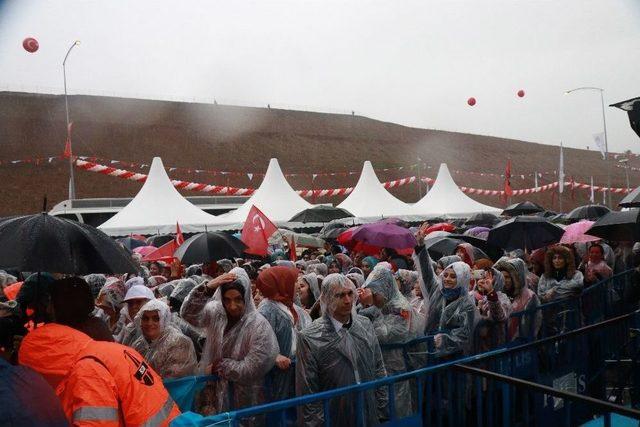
(561, 279)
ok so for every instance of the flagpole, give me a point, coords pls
(604, 125)
(72, 184)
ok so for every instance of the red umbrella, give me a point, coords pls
(441, 226)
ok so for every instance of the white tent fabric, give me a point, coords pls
(275, 198)
(446, 199)
(157, 208)
(369, 198)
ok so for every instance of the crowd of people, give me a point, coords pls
(273, 328)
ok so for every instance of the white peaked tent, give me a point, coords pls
(275, 198)
(369, 198)
(157, 208)
(446, 199)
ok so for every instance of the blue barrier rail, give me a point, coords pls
(434, 387)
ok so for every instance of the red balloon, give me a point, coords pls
(30, 44)
(471, 101)
(520, 93)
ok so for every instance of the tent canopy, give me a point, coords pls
(369, 198)
(447, 200)
(157, 208)
(275, 198)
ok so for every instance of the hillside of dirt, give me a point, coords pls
(242, 139)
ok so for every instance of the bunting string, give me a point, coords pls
(332, 192)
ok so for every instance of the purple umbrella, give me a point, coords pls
(479, 232)
(386, 235)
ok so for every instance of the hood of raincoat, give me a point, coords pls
(242, 279)
(463, 278)
(381, 282)
(331, 284)
(407, 280)
(468, 253)
(112, 295)
(312, 281)
(182, 288)
(319, 268)
(96, 282)
(279, 284)
(52, 350)
(344, 262)
(357, 278)
(163, 312)
(517, 270)
(446, 261)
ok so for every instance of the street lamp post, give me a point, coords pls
(72, 185)
(604, 125)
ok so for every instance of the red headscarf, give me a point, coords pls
(279, 284)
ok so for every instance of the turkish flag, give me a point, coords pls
(179, 237)
(163, 253)
(292, 249)
(256, 232)
(508, 191)
(67, 149)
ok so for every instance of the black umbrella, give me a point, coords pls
(631, 200)
(131, 243)
(332, 230)
(618, 226)
(547, 214)
(43, 242)
(524, 232)
(590, 212)
(483, 219)
(446, 245)
(209, 246)
(522, 208)
(159, 239)
(321, 213)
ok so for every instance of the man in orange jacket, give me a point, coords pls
(98, 383)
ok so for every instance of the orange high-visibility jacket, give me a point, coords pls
(99, 383)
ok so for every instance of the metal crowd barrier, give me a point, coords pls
(556, 380)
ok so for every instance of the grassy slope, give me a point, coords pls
(200, 136)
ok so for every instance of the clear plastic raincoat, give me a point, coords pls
(393, 324)
(246, 351)
(330, 355)
(171, 354)
(454, 319)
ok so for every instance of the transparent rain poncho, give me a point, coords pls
(329, 357)
(312, 281)
(454, 319)
(246, 352)
(172, 354)
(393, 324)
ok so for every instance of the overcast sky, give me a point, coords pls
(408, 62)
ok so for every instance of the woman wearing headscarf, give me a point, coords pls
(522, 298)
(356, 278)
(368, 264)
(392, 320)
(560, 278)
(240, 345)
(170, 353)
(450, 307)
(278, 286)
(338, 349)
